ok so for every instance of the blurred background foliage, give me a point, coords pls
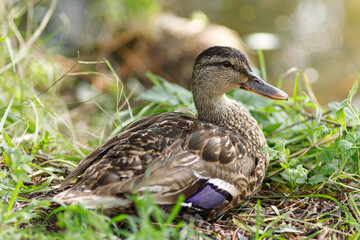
(321, 37)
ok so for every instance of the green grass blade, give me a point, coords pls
(262, 65)
(176, 209)
(4, 117)
(280, 81)
(296, 88)
(13, 197)
(258, 218)
(10, 49)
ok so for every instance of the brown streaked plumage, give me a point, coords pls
(215, 159)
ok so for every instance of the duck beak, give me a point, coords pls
(257, 85)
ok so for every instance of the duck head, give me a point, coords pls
(218, 70)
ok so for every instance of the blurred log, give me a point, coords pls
(172, 49)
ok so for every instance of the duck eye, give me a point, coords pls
(226, 64)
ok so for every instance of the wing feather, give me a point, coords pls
(201, 164)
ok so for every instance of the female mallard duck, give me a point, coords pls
(214, 160)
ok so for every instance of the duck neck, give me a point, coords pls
(227, 113)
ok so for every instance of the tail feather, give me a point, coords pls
(93, 201)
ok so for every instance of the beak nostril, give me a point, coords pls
(257, 81)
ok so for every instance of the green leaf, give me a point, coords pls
(327, 156)
(166, 93)
(20, 175)
(340, 117)
(347, 148)
(283, 165)
(7, 139)
(156, 80)
(353, 90)
(347, 102)
(326, 170)
(345, 145)
(272, 127)
(295, 176)
(41, 144)
(7, 159)
(324, 131)
(318, 178)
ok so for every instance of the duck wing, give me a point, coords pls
(143, 140)
(175, 154)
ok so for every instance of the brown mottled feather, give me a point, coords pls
(95, 155)
(169, 154)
